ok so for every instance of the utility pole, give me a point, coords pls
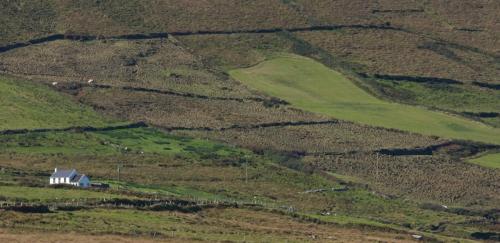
(120, 163)
(119, 170)
(246, 168)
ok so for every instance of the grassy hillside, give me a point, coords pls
(239, 165)
(274, 190)
(211, 225)
(135, 141)
(468, 100)
(309, 85)
(489, 160)
(26, 105)
(34, 18)
(192, 169)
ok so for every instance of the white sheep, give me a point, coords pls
(54, 83)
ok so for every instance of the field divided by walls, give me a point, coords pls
(311, 86)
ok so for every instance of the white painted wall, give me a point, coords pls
(84, 180)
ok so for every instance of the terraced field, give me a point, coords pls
(181, 167)
(309, 85)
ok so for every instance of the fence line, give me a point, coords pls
(194, 204)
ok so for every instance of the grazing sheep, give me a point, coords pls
(417, 237)
(90, 81)
(54, 83)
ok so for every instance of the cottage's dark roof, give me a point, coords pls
(77, 178)
(62, 173)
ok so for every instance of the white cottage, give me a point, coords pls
(69, 177)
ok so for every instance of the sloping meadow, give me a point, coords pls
(25, 105)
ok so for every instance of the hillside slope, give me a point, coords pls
(24, 105)
(193, 151)
(311, 86)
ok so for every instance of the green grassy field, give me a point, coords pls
(489, 160)
(27, 105)
(309, 85)
(137, 140)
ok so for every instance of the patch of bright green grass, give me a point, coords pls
(51, 194)
(309, 85)
(137, 140)
(27, 105)
(489, 160)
